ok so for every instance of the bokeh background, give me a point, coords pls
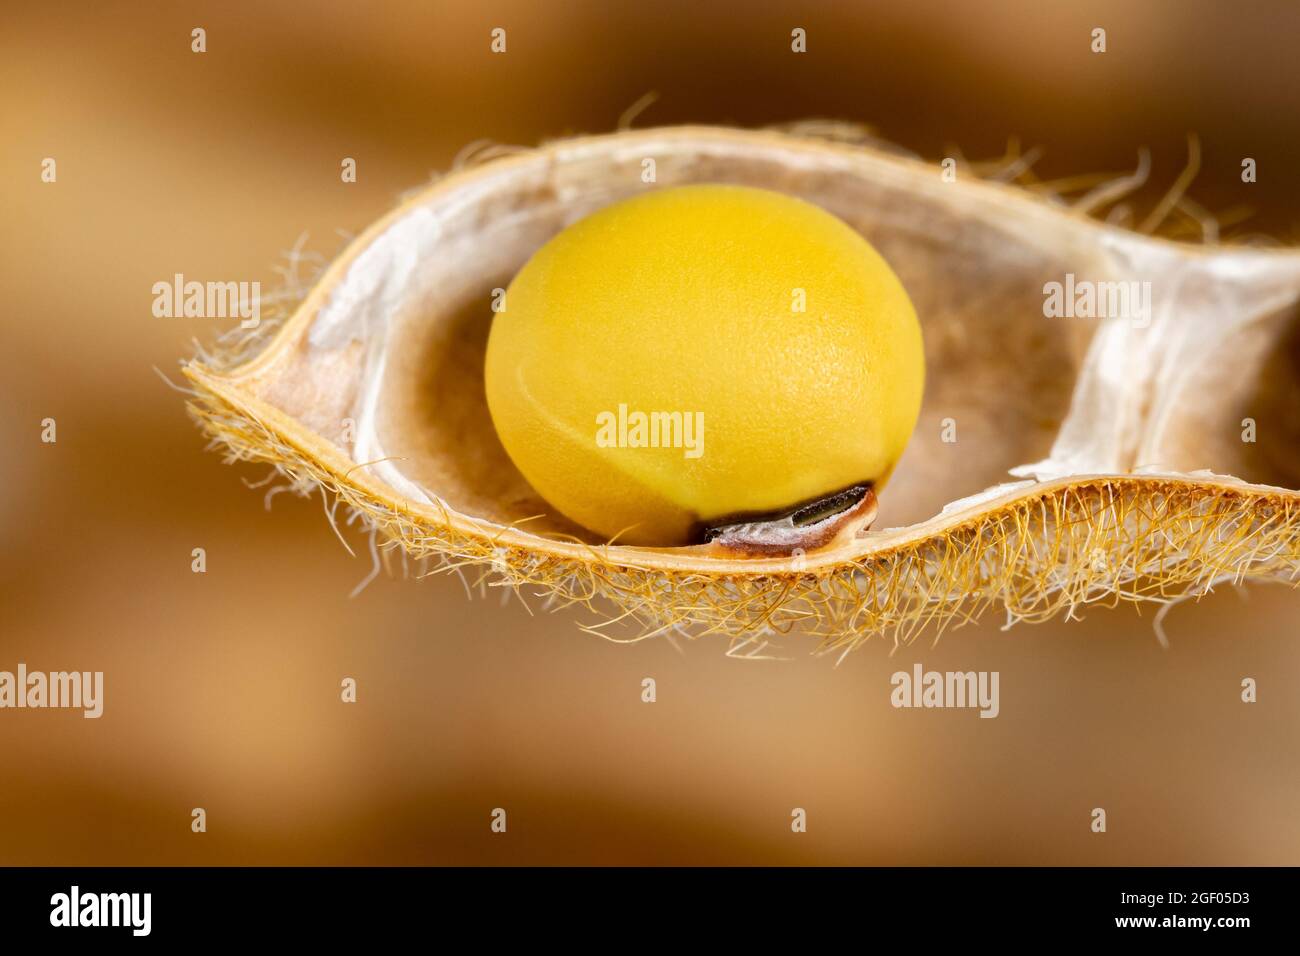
(223, 688)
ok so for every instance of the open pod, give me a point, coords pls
(1143, 446)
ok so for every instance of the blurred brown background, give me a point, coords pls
(223, 688)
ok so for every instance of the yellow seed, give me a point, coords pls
(702, 352)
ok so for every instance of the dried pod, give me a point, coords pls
(1145, 394)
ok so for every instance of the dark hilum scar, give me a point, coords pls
(805, 527)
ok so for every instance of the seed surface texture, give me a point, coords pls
(702, 352)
